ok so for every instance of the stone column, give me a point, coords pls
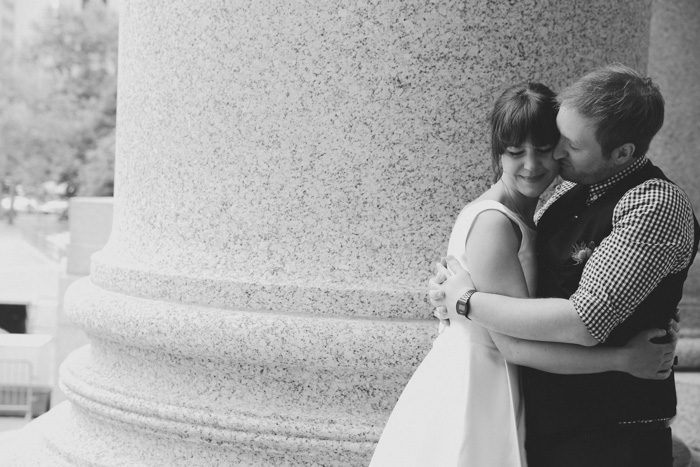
(286, 175)
(90, 221)
(674, 64)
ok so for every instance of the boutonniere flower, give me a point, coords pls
(580, 252)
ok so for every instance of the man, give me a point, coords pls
(614, 246)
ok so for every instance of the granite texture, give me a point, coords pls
(227, 387)
(323, 146)
(286, 174)
(674, 64)
(690, 304)
(688, 353)
(687, 423)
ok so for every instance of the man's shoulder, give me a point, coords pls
(657, 192)
(659, 208)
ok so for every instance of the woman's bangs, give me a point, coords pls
(516, 131)
(543, 128)
(544, 134)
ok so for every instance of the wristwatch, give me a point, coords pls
(463, 303)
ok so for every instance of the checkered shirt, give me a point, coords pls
(652, 237)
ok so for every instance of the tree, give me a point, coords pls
(58, 105)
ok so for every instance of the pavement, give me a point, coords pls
(28, 275)
(12, 423)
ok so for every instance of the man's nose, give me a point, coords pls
(559, 152)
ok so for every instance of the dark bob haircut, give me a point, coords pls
(524, 112)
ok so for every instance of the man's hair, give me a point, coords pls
(522, 112)
(625, 107)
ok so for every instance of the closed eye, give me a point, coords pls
(571, 144)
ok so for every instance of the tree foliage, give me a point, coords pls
(58, 105)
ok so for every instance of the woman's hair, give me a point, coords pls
(523, 112)
(625, 107)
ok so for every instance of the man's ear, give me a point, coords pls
(623, 154)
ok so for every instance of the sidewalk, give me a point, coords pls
(27, 275)
(27, 272)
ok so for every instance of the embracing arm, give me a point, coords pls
(541, 319)
(639, 357)
(550, 319)
(491, 254)
(652, 230)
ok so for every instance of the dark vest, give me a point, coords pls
(559, 403)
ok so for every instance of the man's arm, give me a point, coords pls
(639, 357)
(542, 319)
(492, 251)
(652, 237)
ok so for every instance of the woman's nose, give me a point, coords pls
(531, 161)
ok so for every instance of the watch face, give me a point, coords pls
(461, 307)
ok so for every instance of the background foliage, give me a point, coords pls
(58, 107)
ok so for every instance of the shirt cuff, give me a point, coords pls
(599, 319)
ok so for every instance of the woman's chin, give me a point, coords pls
(533, 191)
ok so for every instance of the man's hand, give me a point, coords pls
(644, 359)
(450, 282)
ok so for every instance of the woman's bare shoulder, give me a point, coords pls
(494, 227)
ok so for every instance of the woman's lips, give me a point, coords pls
(533, 178)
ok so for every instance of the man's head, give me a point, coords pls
(607, 118)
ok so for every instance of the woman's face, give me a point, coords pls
(529, 169)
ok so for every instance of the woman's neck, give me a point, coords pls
(522, 205)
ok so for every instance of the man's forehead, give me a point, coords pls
(565, 112)
(578, 130)
(570, 122)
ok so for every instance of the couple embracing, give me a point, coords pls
(559, 341)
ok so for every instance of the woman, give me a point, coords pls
(481, 424)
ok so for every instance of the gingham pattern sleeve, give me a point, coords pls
(652, 237)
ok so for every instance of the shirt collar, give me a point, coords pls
(596, 190)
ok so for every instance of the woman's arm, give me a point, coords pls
(492, 258)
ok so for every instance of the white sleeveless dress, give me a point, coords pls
(462, 406)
